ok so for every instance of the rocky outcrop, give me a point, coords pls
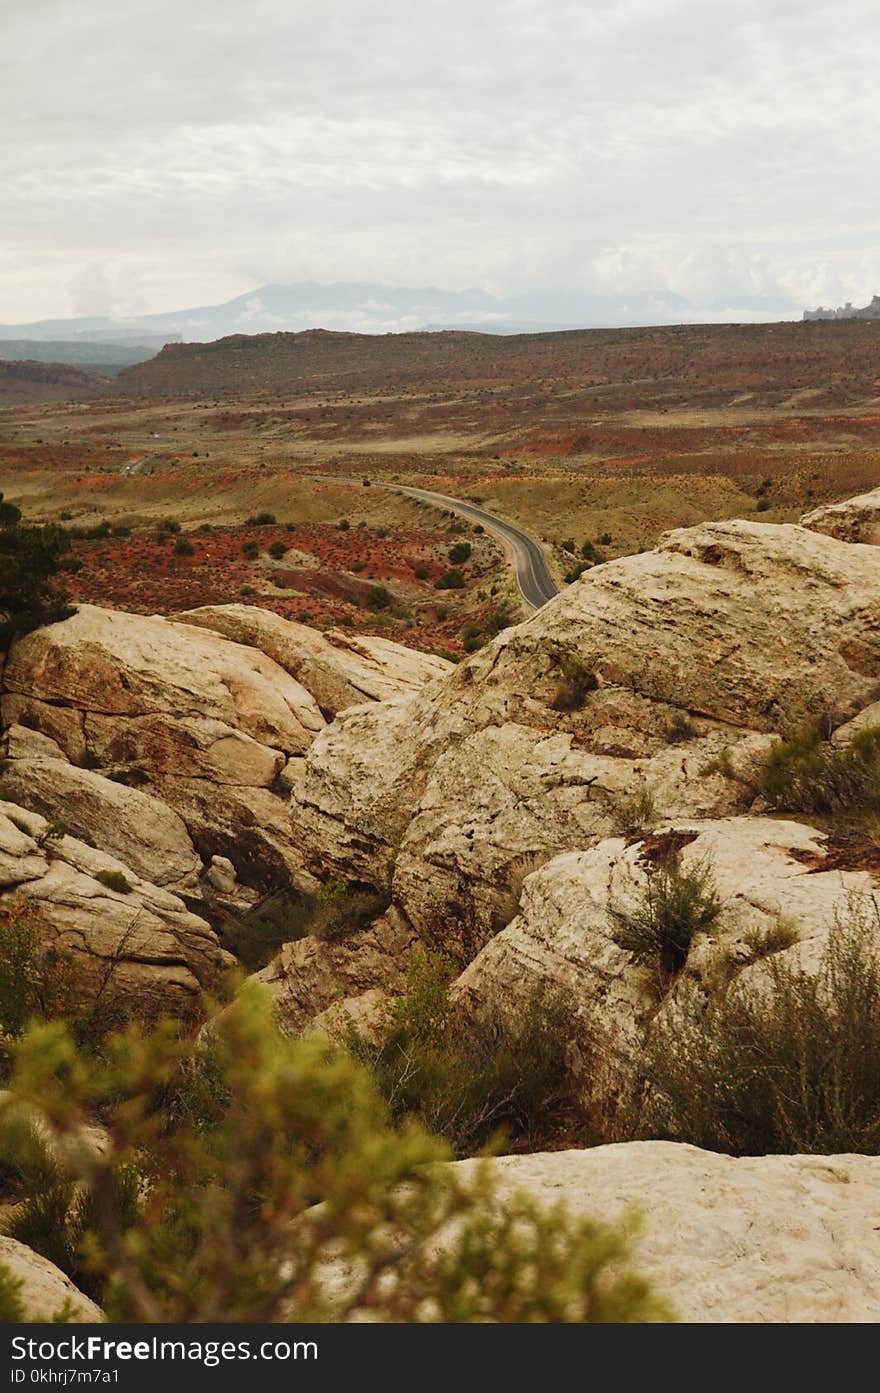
(775, 897)
(134, 826)
(131, 939)
(727, 1239)
(44, 1291)
(196, 724)
(338, 669)
(853, 520)
(311, 974)
(630, 685)
(181, 741)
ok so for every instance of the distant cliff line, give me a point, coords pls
(847, 311)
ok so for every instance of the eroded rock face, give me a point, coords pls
(338, 669)
(634, 680)
(45, 1290)
(853, 520)
(199, 717)
(162, 956)
(191, 720)
(310, 975)
(727, 1239)
(133, 825)
(768, 875)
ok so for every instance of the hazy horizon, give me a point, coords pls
(158, 159)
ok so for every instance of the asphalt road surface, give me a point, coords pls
(530, 567)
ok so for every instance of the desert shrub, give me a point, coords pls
(261, 520)
(114, 880)
(297, 1167)
(605, 539)
(341, 910)
(256, 936)
(805, 773)
(421, 571)
(459, 553)
(569, 545)
(251, 550)
(469, 1078)
(450, 580)
(120, 529)
(277, 550)
(575, 572)
(57, 1217)
(591, 553)
(789, 1065)
(168, 525)
(575, 683)
(471, 638)
(378, 597)
(675, 905)
(184, 547)
(636, 813)
(343, 524)
(721, 764)
(12, 1312)
(40, 981)
(680, 729)
(30, 559)
(500, 618)
(762, 505)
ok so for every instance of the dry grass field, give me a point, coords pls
(611, 437)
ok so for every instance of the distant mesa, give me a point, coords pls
(847, 311)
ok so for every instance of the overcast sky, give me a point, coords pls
(163, 153)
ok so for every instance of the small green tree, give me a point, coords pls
(273, 1186)
(30, 558)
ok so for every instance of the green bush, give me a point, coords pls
(40, 981)
(251, 550)
(471, 1079)
(114, 880)
(277, 550)
(341, 910)
(791, 1065)
(278, 1161)
(378, 597)
(261, 520)
(591, 553)
(459, 553)
(421, 571)
(675, 905)
(806, 774)
(184, 547)
(636, 813)
(576, 682)
(30, 558)
(450, 580)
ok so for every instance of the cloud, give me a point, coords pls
(718, 149)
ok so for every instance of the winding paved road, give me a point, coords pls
(530, 567)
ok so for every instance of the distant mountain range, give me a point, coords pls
(365, 308)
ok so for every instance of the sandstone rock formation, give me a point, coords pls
(768, 876)
(310, 975)
(853, 520)
(338, 669)
(131, 824)
(135, 937)
(45, 1291)
(749, 1239)
(633, 681)
(203, 724)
